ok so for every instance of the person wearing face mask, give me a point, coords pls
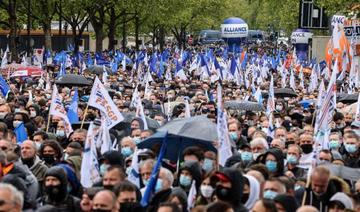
(6, 116)
(251, 191)
(273, 159)
(190, 171)
(61, 134)
(229, 187)
(50, 152)
(135, 134)
(258, 146)
(206, 191)
(246, 155)
(321, 189)
(273, 187)
(32, 161)
(352, 153)
(292, 160)
(335, 141)
(306, 143)
(56, 191)
(209, 162)
(34, 110)
(127, 146)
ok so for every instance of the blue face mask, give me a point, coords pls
(291, 159)
(137, 140)
(126, 151)
(103, 168)
(185, 180)
(271, 166)
(158, 185)
(60, 133)
(246, 156)
(208, 165)
(351, 148)
(233, 136)
(334, 144)
(269, 194)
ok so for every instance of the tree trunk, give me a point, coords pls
(13, 29)
(124, 32)
(161, 37)
(112, 29)
(47, 33)
(99, 40)
(137, 25)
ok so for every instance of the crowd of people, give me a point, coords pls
(279, 168)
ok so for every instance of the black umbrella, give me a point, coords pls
(73, 80)
(128, 117)
(349, 98)
(281, 93)
(99, 69)
(243, 105)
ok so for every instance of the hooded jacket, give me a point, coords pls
(277, 153)
(66, 202)
(320, 202)
(237, 187)
(195, 170)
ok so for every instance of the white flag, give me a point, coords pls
(90, 171)
(100, 99)
(57, 109)
(292, 80)
(4, 60)
(357, 116)
(104, 75)
(106, 144)
(192, 196)
(140, 113)
(134, 170)
(224, 150)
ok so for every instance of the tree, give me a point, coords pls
(344, 7)
(43, 11)
(97, 20)
(77, 18)
(10, 6)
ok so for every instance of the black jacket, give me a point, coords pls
(278, 154)
(194, 168)
(237, 186)
(322, 202)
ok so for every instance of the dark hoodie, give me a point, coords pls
(58, 195)
(278, 154)
(195, 170)
(236, 191)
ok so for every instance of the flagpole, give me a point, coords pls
(85, 113)
(48, 123)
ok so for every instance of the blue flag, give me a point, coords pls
(4, 87)
(150, 188)
(73, 108)
(21, 134)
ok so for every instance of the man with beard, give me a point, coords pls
(56, 191)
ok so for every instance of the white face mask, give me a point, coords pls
(16, 123)
(256, 155)
(2, 115)
(32, 114)
(206, 190)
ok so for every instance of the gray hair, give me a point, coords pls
(259, 140)
(168, 175)
(149, 162)
(17, 196)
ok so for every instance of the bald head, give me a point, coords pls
(105, 200)
(307, 208)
